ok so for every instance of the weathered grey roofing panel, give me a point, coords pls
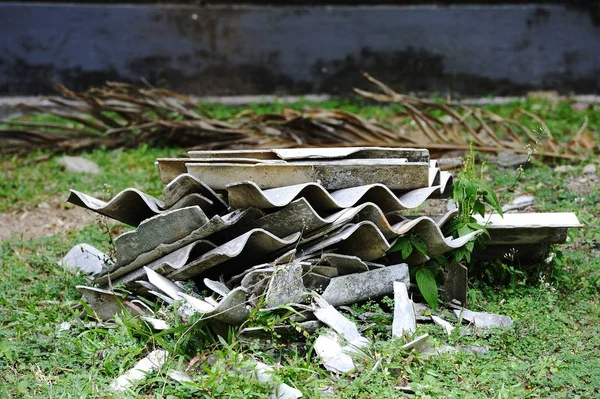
(253, 244)
(358, 287)
(186, 184)
(412, 154)
(248, 194)
(397, 174)
(163, 265)
(130, 206)
(165, 228)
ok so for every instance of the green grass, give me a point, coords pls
(553, 350)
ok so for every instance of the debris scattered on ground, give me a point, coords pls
(519, 203)
(441, 322)
(220, 252)
(154, 361)
(482, 319)
(78, 165)
(404, 322)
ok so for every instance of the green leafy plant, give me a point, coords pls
(471, 194)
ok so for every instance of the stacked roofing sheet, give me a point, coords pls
(271, 225)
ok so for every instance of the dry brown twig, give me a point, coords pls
(124, 115)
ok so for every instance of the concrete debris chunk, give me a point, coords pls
(86, 258)
(231, 309)
(163, 284)
(404, 314)
(589, 169)
(217, 286)
(455, 283)
(332, 355)
(285, 286)
(484, 320)
(415, 343)
(264, 374)
(345, 264)
(78, 165)
(179, 376)
(156, 324)
(357, 287)
(154, 361)
(106, 304)
(334, 319)
(441, 322)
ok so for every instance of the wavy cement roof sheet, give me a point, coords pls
(132, 206)
(193, 259)
(248, 194)
(186, 184)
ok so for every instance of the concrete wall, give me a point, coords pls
(295, 49)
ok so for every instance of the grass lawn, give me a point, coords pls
(553, 349)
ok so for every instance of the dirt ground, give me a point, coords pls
(47, 219)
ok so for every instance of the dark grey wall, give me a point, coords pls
(257, 49)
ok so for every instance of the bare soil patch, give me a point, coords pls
(47, 219)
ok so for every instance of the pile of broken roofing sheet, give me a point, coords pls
(266, 228)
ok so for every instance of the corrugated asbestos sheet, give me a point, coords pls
(275, 224)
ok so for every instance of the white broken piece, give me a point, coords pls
(154, 361)
(231, 309)
(522, 201)
(415, 342)
(404, 312)
(217, 286)
(334, 319)
(264, 374)
(441, 322)
(484, 320)
(179, 376)
(332, 355)
(156, 324)
(86, 258)
(64, 326)
(163, 283)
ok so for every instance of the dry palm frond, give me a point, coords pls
(454, 126)
(124, 115)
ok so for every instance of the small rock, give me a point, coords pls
(589, 169)
(179, 376)
(43, 205)
(79, 165)
(564, 168)
(476, 349)
(511, 159)
(484, 320)
(579, 106)
(64, 326)
(86, 258)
